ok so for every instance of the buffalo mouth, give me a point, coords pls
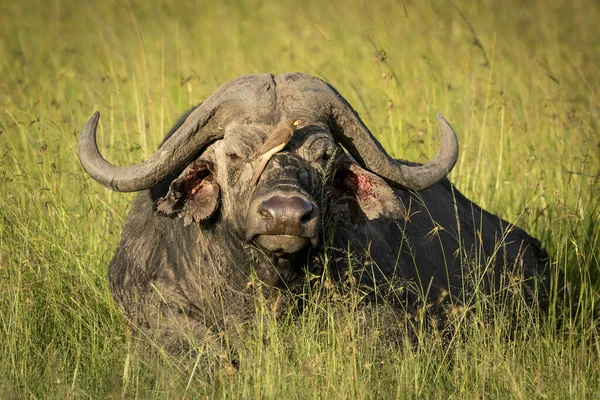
(284, 244)
(283, 223)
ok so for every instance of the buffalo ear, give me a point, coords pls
(194, 195)
(365, 195)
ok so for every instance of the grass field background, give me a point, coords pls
(519, 81)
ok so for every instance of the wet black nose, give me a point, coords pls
(286, 212)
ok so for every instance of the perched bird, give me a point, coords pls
(274, 143)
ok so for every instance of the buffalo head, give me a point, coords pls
(209, 162)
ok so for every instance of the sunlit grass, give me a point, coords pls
(518, 82)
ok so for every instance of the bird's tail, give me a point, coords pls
(259, 170)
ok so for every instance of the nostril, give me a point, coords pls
(264, 212)
(305, 218)
(307, 214)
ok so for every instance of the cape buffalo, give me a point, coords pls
(200, 231)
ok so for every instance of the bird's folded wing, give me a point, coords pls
(263, 160)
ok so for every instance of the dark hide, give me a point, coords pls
(442, 243)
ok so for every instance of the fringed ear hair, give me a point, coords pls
(194, 195)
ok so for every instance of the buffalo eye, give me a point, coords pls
(324, 158)
(233, 157)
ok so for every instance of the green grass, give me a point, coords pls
(520, 83)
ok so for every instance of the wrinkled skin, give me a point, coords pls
(183, 267)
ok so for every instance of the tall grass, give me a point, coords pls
(518, 80)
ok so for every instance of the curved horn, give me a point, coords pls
(244, 95)
(349, 130)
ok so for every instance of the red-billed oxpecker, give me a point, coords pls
(274, 143)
